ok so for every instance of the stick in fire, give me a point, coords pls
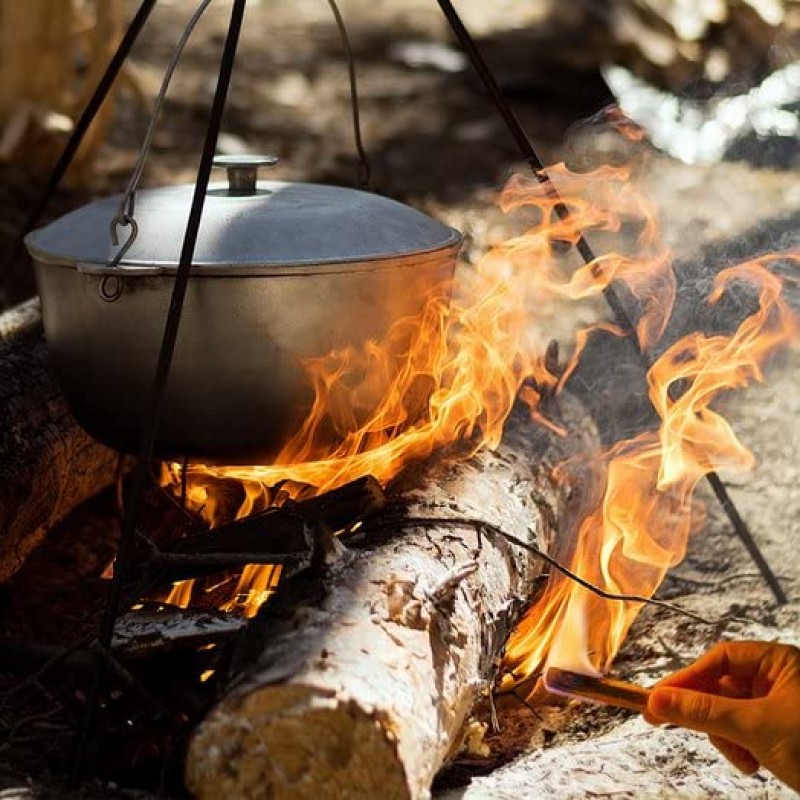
(596, 689)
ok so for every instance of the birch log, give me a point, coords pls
(48, 464)
(361, 688)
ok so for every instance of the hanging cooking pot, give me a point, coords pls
(282, 272)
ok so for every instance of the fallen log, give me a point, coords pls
(48, 464)
(360, 684)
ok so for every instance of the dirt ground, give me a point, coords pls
(435, 143)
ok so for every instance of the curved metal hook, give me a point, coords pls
(107, 294)
(124, 221)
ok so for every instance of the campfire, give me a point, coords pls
(492, 354)
(496, 401)
(450, 519)
(493, 386)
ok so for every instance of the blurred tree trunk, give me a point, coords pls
(671, 43)
(52, 53)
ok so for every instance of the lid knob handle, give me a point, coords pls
(243, 171)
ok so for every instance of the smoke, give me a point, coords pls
(610, 377)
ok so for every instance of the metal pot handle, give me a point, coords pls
(125, 216)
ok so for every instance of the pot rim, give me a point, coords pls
(314, 226)
(216, 270)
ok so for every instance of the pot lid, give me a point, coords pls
(245, 224)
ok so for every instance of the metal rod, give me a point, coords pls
(740, 526)
(172, 325)
(364, 175)
(81, 126)
(611, 297)
(526, 147)
(171, 328)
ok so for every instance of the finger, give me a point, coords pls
(740, 757)
(648, 717)
(738, 659)
(740, 688)
(700, 711)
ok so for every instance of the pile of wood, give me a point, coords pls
(52, 54)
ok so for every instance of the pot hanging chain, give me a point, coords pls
(125, 216)
(610, 295)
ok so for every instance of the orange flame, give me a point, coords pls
(467, 359)
(641, 527)
(466, 363)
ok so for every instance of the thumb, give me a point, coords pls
(699, 711)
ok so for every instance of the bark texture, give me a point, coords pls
(48, 464)
(361, 686)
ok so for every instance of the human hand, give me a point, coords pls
(746, 697)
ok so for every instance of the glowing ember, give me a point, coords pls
(467, 363)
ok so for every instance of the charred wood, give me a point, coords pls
(160, 629)
(285, 529)
(287, 535)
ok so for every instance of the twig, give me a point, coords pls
(527, 705)
(223, 561)
(22, 723)
(494, 719)
(481, 525)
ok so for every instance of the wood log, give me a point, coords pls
(361, 687)
(48, 463)
(22, 319)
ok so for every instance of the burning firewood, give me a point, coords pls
(360, 684)
(48, 464)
